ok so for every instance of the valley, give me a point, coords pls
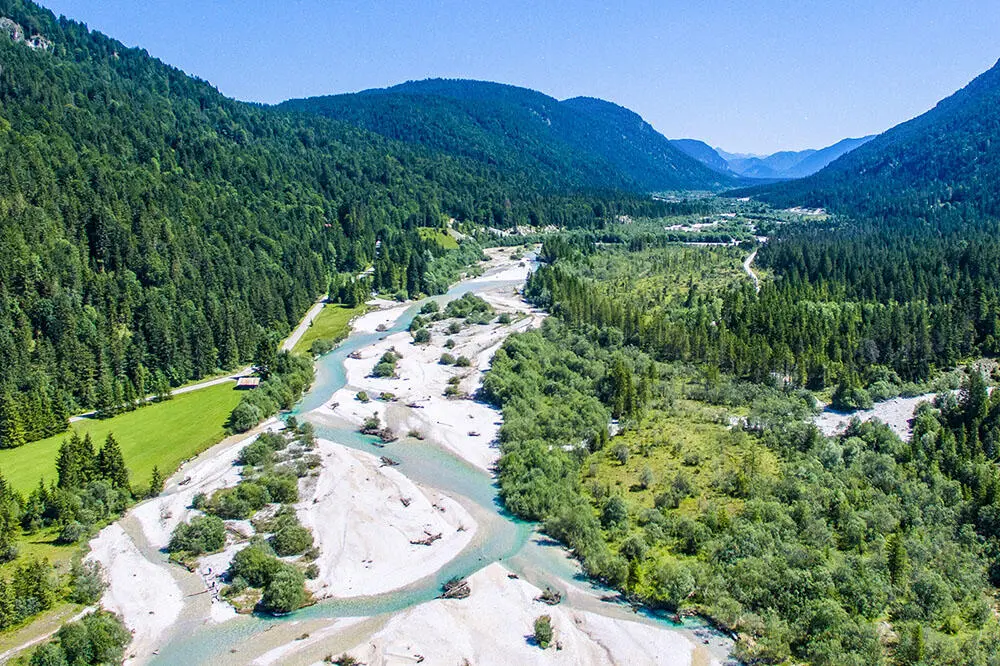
(462, 372)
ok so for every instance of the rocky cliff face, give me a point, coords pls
(16, 33)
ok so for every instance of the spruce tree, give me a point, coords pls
(68, 464)
(111, 464)
(11, 424)
(155, 482)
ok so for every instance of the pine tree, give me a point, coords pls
(12, 433)
(155, 482)
(111, 464)
(68, 464)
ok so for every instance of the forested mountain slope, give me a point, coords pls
(577, 143)
(153, 230)
(942, 166)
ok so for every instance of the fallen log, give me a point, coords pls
(456, 588)
(426, 541)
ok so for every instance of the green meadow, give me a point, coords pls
(161, 434)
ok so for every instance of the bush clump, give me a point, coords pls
(204, 534)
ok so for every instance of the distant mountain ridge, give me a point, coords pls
(942, 165)
(777, 166)
(576, 143)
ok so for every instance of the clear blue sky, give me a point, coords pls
(755, 76)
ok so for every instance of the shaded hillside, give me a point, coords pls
(943, 165)
(578, 143)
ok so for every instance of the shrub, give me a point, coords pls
(87, 584)
(254, 564)
(454, 327)
(362, 396)
(204, 534)
(240, 502)
(291, 539)
(543, 631)
(504, 318)
(447, 359)
(257, 454)
(422, 336)
(430, 307)
(615, 513)
(283, 488)
(72, 532)
(383, 369)
(849, 397)
(462, 362)
(285, 591)
(321, 346)
(449, 344)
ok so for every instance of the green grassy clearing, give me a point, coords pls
(439, 236)
(161, 435)
(332, 323)
(687, 440)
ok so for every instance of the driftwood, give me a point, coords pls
(513, 576)
(381, 328)
(405, 501)
(187, 480)
(550, 597)
(456, 588)
(473, 433)
(413, 405)
(385, 434)
(388, 462)
(356, 355)
(426, 541)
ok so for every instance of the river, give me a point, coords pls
(499, 537)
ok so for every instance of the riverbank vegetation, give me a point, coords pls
(711, 491)
(269, 573)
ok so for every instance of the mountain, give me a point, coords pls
(943, 165)
(705, 154)
(580, 143)
(817, 159)
(788, 164)
(153, 231)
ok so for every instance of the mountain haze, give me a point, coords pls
(944, 164)
(705, 154)
(781, 165)
(577, 143)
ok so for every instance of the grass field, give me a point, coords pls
(440, 236)
(161, 435)
(332, 323)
